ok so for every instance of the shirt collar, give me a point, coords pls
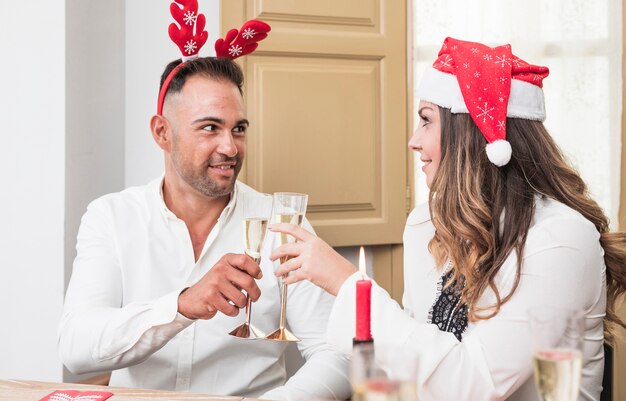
(230, 206)
(168, 214)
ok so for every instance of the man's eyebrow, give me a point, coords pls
(219, 121)
(208, 119)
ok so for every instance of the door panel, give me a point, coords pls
(349, 13)
(326, 97)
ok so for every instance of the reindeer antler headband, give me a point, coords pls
(189, 35)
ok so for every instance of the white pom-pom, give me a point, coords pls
(499, 152)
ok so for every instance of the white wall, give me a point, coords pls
(62, 110)
(95, 103)
(32, 173)
(94, 108)
(64, 105)
(148, 50)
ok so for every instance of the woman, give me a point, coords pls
(499, 188)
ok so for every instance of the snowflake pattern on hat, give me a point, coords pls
(483, 84)
(484, 77)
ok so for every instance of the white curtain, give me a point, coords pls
(579, 40)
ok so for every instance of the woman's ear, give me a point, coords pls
(161, 132)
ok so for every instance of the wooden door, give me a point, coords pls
(327, 96)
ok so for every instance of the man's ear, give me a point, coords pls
(161, 132)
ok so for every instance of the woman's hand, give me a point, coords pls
(310, 258)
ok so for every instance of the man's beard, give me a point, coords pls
(199, 178)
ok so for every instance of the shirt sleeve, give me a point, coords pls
(561, 268)
(325, 373)
(97, 332)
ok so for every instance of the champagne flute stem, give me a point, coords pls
(248, 309)
(283, 297)
(283, 303)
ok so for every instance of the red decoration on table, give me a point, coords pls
(363, 303)
(74, 395)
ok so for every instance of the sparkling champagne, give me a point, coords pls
(291, 218)
(253, 236)
(557, 374)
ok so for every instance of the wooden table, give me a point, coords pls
(27, 390)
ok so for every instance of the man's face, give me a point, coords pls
(208, 134)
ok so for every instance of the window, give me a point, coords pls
(579, 40)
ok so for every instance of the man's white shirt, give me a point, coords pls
(134, 258)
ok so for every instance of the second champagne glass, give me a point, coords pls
(557, 338)
(290, 208)
(257, 211)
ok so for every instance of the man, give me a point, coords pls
(157, 280)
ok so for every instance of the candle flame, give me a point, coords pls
(362, 267)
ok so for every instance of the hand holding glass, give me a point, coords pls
(557, 338)
(288, 208)
(257, 210)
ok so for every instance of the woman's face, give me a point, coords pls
(427, 139)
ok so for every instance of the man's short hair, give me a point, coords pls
(218, 68)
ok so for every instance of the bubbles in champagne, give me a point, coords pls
(291, 218)
(253, 235)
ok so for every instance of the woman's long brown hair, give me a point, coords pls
(469, 194)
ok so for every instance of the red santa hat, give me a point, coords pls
(489, 83)
(189, 35)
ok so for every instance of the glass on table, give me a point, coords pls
(257, 211)
(290, 208)
(557, 340)
(371, 383)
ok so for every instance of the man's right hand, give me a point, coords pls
(221, 287)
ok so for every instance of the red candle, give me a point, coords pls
(363, 303)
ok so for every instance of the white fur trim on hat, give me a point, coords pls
(499, 152)
(525, 100)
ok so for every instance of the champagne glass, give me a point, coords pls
(557, 339)
(371, 383)
(288, 208)
(257, 211)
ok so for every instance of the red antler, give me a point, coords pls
(233, 45)
(187, 16)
